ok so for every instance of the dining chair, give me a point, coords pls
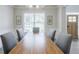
(36, 30)
(9, 41)
(20, 34)
(64, 42)
(51, 34)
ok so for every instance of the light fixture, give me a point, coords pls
(33, 6)
(37, 6)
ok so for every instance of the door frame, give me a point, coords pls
(76, 21)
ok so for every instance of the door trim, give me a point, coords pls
(76, 22)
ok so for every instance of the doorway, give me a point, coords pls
(72, 26)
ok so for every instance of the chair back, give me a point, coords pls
(9, 41)
(64, 42)
(20, 34)
(53, 36)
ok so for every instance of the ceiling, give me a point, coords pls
(40, 6)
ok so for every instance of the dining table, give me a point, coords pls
(36, 43)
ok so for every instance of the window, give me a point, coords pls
(34, 20)
(72, 19)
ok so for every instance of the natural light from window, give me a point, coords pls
(32, 20)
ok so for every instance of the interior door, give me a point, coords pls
(72, 25)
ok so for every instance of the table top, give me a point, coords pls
(36, 44)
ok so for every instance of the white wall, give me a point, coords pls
(52, 11)
(6, 18)
(72, 8)
(61, 19)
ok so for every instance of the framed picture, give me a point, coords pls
(49, 20)
(18, 20)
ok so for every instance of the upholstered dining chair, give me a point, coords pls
(51, 34)
(35, 29)
(9, 41)
(64, 42)
(20, 34)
